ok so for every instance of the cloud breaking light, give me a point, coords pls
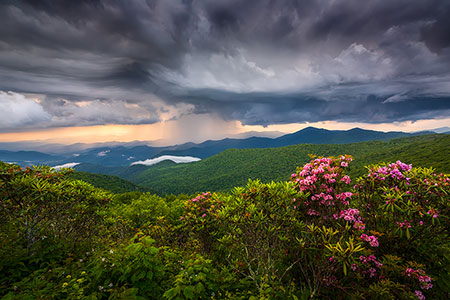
(256, 62)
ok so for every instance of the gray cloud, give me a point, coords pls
(17, 110)
(257, 61)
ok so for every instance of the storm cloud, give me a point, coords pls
(260, 62)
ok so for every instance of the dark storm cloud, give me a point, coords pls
(265, 109)
(259, 61)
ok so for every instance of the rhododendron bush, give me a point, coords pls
(320, 235)
(382, 235)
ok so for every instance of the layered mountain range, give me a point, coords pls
(126, 154)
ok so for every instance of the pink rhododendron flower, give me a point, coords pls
(433, 212)
(419, 295)
(373, 241)
(359, 225)
(312, 212)
(419, 274)
(346, 179)
(351, 215)
(405, 224)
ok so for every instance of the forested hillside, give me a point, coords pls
(320, 235)
(108, 182)
(123, 154)
(235, 166)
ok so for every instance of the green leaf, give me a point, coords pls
(149, 275)
(199, 288)
(189, 292)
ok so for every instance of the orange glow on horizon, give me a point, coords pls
(88, 134)
(193, 128)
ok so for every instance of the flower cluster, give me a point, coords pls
(433, 213)
(371, 263)
(404, 224)
(373, 241)
(394, 170)
(324, 178)
(200, 207)
(344, 197)
(325, 199)
(359, 225)
(349, 215)
(419, 274)
(419, 295)
(370, 258)
(321, 172)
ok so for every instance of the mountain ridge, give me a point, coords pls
(127, 153)
(234, 167)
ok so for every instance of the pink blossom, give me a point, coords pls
(346, 179)
(373, 241)
(419, 295)
(312, 212)
(370, 258)
(433, 212)
(351, 215)
(359, 225)
(330, 280)
(343, 197)
(424, 280)
(405, 223)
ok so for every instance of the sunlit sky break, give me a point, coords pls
(172, 71)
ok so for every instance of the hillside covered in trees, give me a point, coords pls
(320, 234)
(234, 167)
(108, 182)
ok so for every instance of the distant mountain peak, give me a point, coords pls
(311, 128)
(121, 154)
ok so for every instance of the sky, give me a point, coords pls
(187, 70)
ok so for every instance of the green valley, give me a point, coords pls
(110, 183)
(234, 167)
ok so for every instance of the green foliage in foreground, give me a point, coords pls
(234, 167)
(320, 235)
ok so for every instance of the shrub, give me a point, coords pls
(140, 211)
(43, 217)
(410, 208)
(200, 220)
(137, 269)
(315, 237)
(259, 228)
